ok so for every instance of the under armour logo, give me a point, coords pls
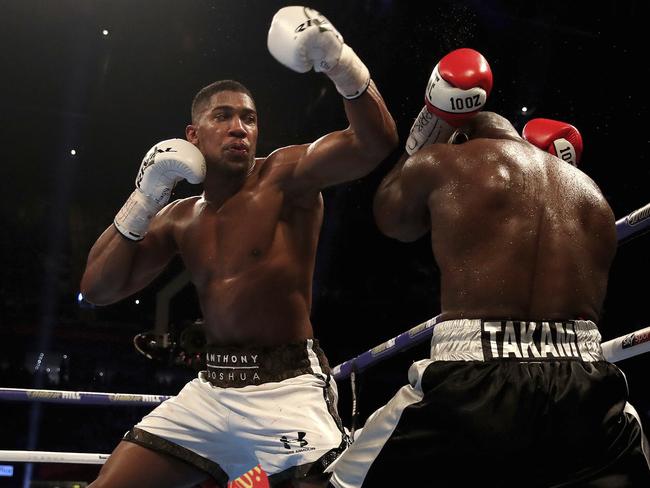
(300, 440)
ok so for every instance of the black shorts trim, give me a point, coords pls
(311, 471)
(158, 444)
(315, 469)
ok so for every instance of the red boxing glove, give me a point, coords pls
(459, 86)
(558, 138)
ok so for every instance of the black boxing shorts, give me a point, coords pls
(504, 403)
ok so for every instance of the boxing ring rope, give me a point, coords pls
(614, 350)
(623, 347)
(80, 397)
(633, 224)
(52, 457)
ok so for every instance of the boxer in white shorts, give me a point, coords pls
(273, 406)
(249, 242)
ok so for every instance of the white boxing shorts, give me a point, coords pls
(275, 407)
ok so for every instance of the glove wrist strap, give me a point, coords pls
(350, 76)
(132, 220)
(427, 129)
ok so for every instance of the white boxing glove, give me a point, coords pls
(166, 163)
(301, 39)
(427, 129)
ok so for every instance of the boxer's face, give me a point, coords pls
(226, 131)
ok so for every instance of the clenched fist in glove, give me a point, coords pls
(301, 39)
(458, 88)
(163, 166)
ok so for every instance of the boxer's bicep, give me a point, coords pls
(154, 253)
(118, 267)
(401, 201)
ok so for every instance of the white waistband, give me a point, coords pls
(490, 340)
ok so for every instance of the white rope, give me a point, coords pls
(52, 457)
(81, 397)
(617, 349)
(627, 346)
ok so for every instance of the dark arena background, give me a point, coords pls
(87, 87)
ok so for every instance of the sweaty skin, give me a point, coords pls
(516, 232)
(249, 241)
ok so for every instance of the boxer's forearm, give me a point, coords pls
(108, 269)
(301, 39)
(373, 127)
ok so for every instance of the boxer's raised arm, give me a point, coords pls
(302, 39)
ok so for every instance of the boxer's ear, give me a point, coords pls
(191, 134)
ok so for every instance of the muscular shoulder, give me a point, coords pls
(432, 163)
(178, 208)
(280, 169)
(282, 162)
(177, 213)
(173, 217)
(478, 161)
(585, 188)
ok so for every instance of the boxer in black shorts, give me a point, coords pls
(516, 392)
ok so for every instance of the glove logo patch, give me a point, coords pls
(435, 79)
(323, 26)
(150, 159)
(314, 18)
